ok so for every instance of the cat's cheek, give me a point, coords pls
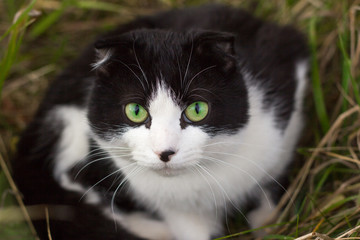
(136, 136)
(139, 141)
(191, 145)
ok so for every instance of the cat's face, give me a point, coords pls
(160, 97)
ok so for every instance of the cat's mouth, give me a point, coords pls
(167, 169)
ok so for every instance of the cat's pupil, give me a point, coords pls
(137, 109)
(197, 108)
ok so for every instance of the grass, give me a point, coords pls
(323, 200)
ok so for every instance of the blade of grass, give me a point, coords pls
(47, 22)
(16, 32)
(19, 20)
(252, 230)
(6, 171)
(10, 8)
(316, 82)
(54, 16)
(297, 225)
(347, 71)
(323, 178)
(96, 5)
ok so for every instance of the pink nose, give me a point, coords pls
(166, 155)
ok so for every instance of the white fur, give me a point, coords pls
(103, 56)
(141, 225)
(73, 140)
(290, 136)
(73, 147)
(261, 214)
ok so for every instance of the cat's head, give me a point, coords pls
(159, 97)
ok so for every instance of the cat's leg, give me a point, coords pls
(141, 225)
(191, 225)
(267, 200)
(149, 228)
(259, 216)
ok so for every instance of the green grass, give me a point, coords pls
(325, 181)
(316, 81)
(16, 32)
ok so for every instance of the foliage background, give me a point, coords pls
(38, 38)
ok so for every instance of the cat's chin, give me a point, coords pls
(168, 170)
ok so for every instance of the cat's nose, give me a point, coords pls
(166, 155)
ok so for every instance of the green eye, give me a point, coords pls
(136, 113)
(197, 111)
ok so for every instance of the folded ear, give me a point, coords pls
(106, 48)
(222, 40)
(218, 45)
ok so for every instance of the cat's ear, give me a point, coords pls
(107, 48)
(217, 45)
(220, 40)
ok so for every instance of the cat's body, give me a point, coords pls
(107, 174)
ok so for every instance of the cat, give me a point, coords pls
(167, 127)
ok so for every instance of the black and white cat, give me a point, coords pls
(170, 124)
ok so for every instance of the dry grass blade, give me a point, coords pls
(316, 235)
(48, 222)
(355, 46)
(297, 184)
(355, 229)
(319, 236)
(17, 195)
(30, 77)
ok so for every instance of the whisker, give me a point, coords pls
(127, 66)
(204, 90)
(106, 152)
(142, 71)
(233, 166)
(180, 77)
(97, 160)
(110, 153)
(109, 175)
(117, 178)
(257, 165)
(115, 192)
(192, 79)
(212, 191)
(91, 154)
(115, 147)
(249, 145)
(206, 170)
(132, 173)
(189, 60)
(200, 97)
(223, 196)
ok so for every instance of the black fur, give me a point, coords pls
(228, 39)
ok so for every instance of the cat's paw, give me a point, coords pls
(260, 217)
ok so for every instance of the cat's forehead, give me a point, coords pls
(162, 100)
(153, 39)
(192, 65)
